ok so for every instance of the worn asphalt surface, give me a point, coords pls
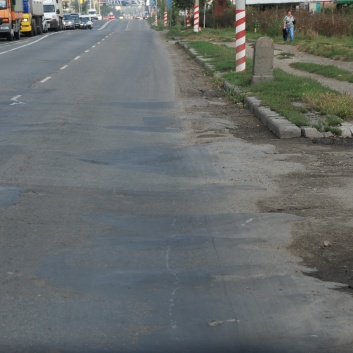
(130, 217)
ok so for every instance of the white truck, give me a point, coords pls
(32, 23)
(94, 15)
(53, 13)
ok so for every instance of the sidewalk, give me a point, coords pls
(283, 64)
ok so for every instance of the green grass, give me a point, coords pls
(285, 55)
(331, 103)
(221, 56)
(208, 34)
(329, 47)
(280, 93)
(324, 70)
(221, 35)
(286, 89)
(283, 91)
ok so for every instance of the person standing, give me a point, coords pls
(288, 25)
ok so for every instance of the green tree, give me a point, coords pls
(184, 4)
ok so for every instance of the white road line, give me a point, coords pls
(77, 57)
(86, 51)
(98, 43)
(93, 46)
(105, 24)
(45, 79)
(25, 45)
(64, 67)
(127, 26)
(15, 100)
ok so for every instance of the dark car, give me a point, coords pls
(77, 20)
(68, 22)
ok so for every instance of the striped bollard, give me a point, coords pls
(188, 18)
(240, 36)
(156, 14)
(165, 19)
(196, 16)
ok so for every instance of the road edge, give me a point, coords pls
(276, 123)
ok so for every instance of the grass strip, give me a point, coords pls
(329, 47)
(289, 95)
(221, 56)
(206, 34)
(285, 91)
(324, 70)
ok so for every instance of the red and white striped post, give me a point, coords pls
(240, 36)
(165, 18)
(196, 15)
(188, 18)
(156, 14)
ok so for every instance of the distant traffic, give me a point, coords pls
(34, 17)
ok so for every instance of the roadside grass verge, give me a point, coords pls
(324, 70)
(286, 93)
(290, 96)
(280, 93)
(220, 56)
(221, 35)
(206, 34)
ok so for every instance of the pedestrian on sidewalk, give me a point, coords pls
(288, 25)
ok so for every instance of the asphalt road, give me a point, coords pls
(117, 235)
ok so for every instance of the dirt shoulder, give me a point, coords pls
(321, 192)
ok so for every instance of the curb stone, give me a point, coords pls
(279, 125)
(311, 132)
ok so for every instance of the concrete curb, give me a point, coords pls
(279, 125)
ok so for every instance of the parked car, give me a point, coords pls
(68, 21)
